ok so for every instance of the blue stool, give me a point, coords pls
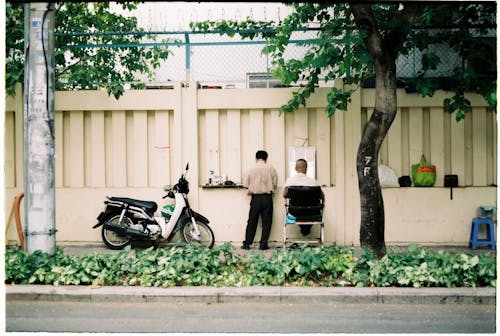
(490, 232)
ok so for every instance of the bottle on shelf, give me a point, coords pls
(211, 177)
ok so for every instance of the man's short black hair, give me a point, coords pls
(261, 154)
(301, 164)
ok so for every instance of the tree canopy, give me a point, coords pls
(80, 65)
(468, 30)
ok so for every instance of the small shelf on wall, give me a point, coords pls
(223, 186)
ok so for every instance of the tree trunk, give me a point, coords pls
(384, 49)
(372, 228)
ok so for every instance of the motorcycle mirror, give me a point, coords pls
(187, 166)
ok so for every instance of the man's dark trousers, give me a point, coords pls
(260, 205)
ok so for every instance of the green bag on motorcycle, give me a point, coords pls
(167, 211)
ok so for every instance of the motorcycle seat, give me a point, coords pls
(146, 205)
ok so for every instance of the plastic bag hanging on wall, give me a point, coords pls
(423, 173)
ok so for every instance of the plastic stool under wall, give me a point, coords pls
(486, 218)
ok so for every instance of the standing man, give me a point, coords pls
(301, 179)
(261, 180)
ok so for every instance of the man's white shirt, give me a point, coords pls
(301, 179)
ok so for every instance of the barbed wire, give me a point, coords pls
(172, 16)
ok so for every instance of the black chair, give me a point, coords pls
(306, 205)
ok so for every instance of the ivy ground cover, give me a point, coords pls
(184, 265)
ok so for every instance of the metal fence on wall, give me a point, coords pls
(218, 60)
(233, 62)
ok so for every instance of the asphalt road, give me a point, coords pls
(46, 316)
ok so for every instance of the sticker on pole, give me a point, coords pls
(36, 23)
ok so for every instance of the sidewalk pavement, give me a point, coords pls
(394, 295)
(346, 295)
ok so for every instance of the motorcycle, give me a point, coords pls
(125, 219)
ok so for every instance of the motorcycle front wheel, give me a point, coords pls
(115, 240)
(189, 236)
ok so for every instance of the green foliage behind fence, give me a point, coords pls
(307, 266)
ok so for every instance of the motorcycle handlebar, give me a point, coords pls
(182, 180)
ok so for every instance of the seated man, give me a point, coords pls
(301, 179)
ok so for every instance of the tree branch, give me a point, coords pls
(409, 13)
(363, 16)
(376, 45)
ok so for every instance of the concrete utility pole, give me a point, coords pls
(39, 177)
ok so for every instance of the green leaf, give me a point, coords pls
(491, 99)
(430, 61)
(84, 68)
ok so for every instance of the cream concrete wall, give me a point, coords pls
(423, 215)
(133, 146)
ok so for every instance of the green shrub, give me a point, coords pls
(185, 265)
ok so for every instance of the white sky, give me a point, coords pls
(176, 15)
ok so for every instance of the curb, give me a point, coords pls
(388, 295)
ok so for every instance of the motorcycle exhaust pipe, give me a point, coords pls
(137, 233)
(115, 228)
(126, 231)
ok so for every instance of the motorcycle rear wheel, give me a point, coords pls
(189, 236)
(114, 240)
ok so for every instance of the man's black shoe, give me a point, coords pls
(265, 247)
(305, 229)
(245, 247)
